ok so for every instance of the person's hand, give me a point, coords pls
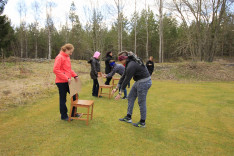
(114, 90)
(76, 78)
(118, 97)
(104, 75)
(69, 81)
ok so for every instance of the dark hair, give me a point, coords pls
(108, 53)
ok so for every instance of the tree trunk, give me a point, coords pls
(161, 33)
(36, 49)
(147, 33)
(26, 45)
(135, 30)
(49, 43)
(21, 42)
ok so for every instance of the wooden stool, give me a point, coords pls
(102, 86)
(83, 104)
(113, 81)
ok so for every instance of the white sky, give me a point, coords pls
(83, 10)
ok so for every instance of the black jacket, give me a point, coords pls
(150, 66)
(107, 63)
(95, 67)
(135, 70)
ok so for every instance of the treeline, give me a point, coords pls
(206, 34)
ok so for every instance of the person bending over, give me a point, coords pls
(117, 68)
(134, 68)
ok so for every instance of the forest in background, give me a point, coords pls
(205, 31)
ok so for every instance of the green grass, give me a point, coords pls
(184, 118)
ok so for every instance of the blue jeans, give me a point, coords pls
(140, 90)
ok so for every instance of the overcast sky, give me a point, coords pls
(83, 10)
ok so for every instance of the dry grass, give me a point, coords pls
(199, 71)
(21, 82)
(33, 79)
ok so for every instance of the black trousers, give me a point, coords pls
(63, 90)
(108, 81)
(95, 87)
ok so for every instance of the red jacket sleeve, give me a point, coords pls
(57, 67)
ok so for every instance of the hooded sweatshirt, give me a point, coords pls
(134, 70)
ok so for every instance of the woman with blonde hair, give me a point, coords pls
(63, 72)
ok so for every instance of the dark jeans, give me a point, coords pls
(63, 90)
(95, 87)
(108, 81)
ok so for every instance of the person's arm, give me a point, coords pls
(130, 71)
(112, 73)
(121, 79)
(119, 83)
(57, 71)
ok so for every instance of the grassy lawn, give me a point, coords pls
(184, 118)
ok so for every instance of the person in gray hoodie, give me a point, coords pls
(117, 68)
(134, 68)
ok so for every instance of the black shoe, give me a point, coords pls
(124, 97)
(66, 119)
(139, 124)
(126, 119)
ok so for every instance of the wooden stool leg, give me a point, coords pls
(99, 91)
(92, 112)
(87, 121)
(70, 114)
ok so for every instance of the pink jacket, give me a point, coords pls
(62, 68)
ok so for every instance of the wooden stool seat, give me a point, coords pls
(84, 102)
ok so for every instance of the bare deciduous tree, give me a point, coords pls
(147, 32)
(21, 10)
(36, 8)
(161, 32)
(203, 23)
(119, 6)
(50, 25)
